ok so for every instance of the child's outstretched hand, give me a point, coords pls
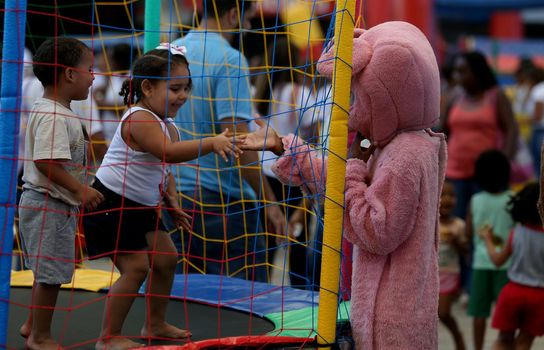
(264, 139)
(224, 145)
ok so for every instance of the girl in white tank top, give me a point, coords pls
(135, 179)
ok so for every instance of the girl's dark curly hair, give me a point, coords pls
(522, 205)
(154, 65)
(55, 55)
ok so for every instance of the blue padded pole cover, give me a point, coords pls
(10, 105)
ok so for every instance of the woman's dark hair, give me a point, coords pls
(523, 207)
(283, 55)
(55, 55)
(223, 6)
(153, 65)
(481, 70)
(492, 171)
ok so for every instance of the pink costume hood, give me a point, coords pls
(395, 79)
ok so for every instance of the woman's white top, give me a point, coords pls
(138, 176)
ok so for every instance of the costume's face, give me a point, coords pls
(395, 81)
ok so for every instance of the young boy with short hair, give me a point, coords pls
(54, 179)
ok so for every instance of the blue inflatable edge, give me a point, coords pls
(256, 298)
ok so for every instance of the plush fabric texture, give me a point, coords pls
(396, 79)
(391, 202)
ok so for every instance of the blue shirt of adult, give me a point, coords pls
(221, 90)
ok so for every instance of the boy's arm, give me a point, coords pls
(54, 170)
(497, 257)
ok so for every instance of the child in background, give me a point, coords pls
(521, 303)
(488, 208)
(452, 246)
(107, 95)
(284, 95)
(54, 180)
(135, 239)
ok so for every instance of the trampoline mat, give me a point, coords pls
(79, 327)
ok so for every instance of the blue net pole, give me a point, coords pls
(10, 105)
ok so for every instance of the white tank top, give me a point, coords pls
(138, 176)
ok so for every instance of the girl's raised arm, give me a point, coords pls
(143, 132)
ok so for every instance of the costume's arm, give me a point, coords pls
(379, 217)
(301, 165)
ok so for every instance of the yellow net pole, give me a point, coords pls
(334, 210)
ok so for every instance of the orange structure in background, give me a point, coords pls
(506, 25)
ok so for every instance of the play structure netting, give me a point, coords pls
(298, 316)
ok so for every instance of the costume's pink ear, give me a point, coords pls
(362, 52)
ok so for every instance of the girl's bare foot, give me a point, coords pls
(117, 344)
(42, 344)
(24, 331)
(165, 330)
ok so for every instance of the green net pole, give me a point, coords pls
(152, 24)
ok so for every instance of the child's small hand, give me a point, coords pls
(182, 219)
(265, 138)
(224, 145)
(89, 197)
(486, 232)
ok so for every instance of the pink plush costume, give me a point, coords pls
(391, 202)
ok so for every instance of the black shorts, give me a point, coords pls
(118, 225)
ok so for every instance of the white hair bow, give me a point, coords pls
(174, 49)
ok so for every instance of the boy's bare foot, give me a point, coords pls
(165, 330)
(117, 344)
(24, 331)
(44, 344)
